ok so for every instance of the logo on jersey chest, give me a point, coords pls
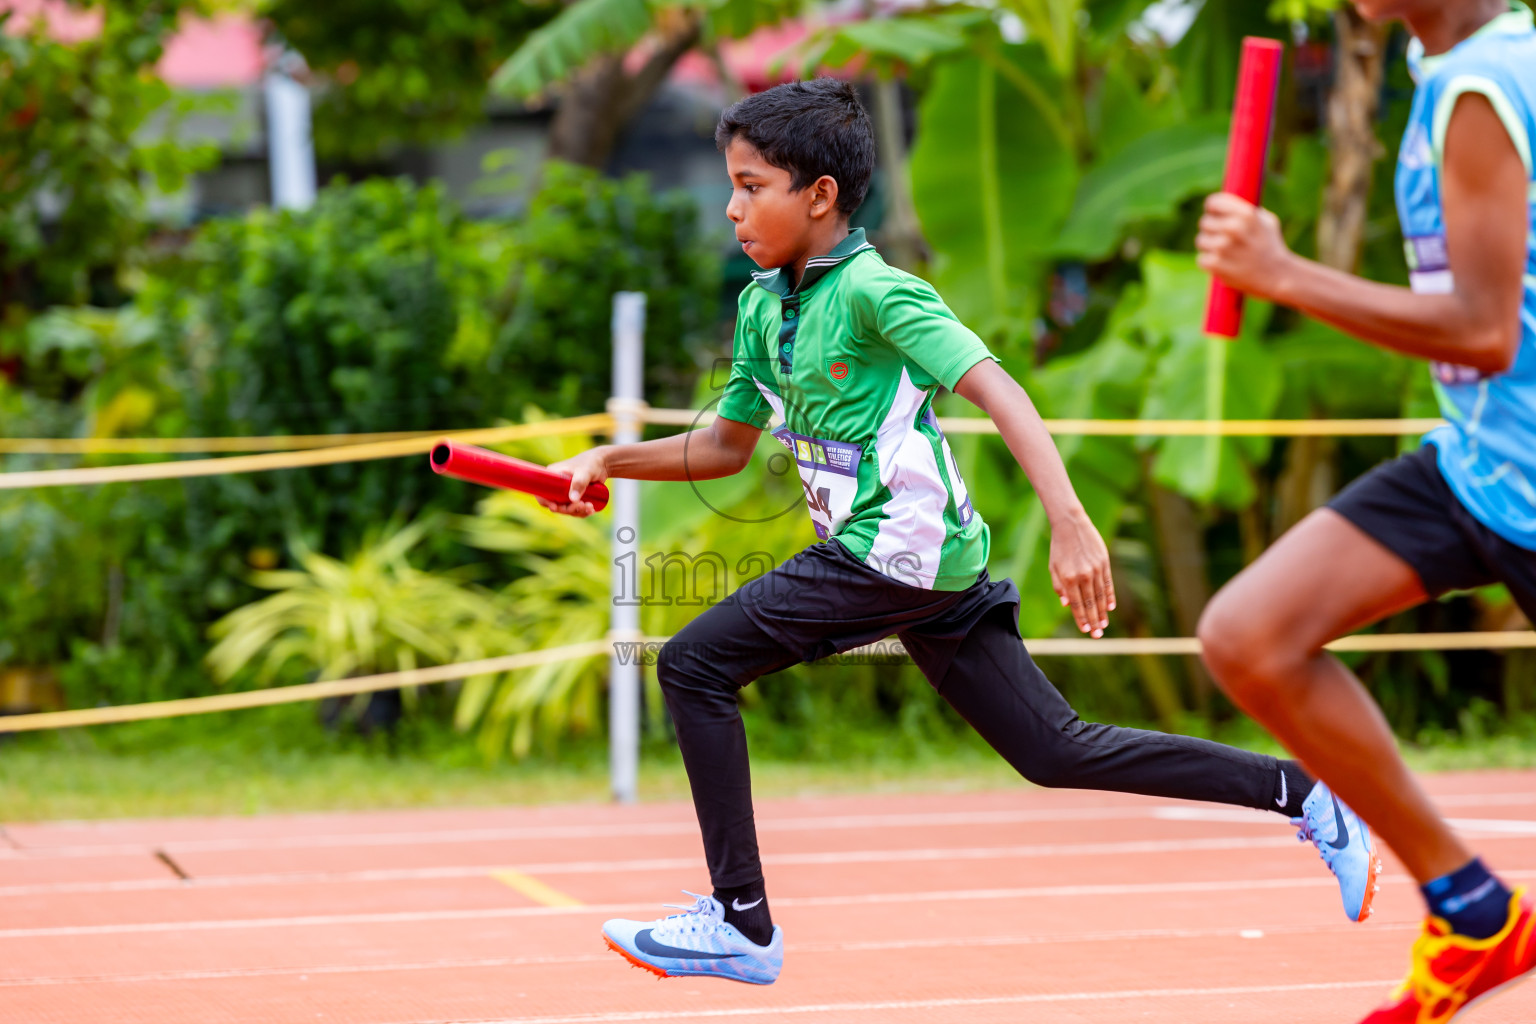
(838, 371)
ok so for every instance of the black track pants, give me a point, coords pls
(966, 642)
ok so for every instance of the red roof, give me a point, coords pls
(221, 53)
(227, 51)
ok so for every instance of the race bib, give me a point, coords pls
(1429, 273)
(829, 473)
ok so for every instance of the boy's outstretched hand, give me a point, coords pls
(1080, 572)
(1079, 560)
(585, 469)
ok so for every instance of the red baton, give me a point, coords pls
(492, 469)
(1253, 116)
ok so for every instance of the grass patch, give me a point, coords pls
(281, 760)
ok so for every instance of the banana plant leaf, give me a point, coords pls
(992, 181)
(1146, 180)
(1171, 318)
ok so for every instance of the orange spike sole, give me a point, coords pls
(1371, 887)
(633, 962)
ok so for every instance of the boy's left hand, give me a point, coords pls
(1080, 573)
(1241, 244)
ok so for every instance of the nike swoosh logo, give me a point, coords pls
(1341, 840)
(1281, 801)
(736, 904)
(647, 944)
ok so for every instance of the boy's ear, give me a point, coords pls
(824, 196)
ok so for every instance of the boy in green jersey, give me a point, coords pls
(849, 353)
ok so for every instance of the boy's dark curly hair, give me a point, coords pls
(809, 129)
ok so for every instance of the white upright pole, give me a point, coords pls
(290, 144)
(624, 506)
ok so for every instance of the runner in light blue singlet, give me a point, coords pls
(1488, 452)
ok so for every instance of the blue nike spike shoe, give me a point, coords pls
(1345, 844)
(696, 943)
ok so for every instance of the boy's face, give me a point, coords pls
(774, 225)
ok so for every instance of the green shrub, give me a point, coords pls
(381, 308)
(585, 237)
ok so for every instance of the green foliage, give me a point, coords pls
(369, 613)
(382, 308)
(379, 309)
(400, 71)
(585, 29)
(583, 238)
(1142, 182)
(337, 319)
(581, 30)
(992, 181)
(890, 44)
(1170, 317)
(98, 582)
(1302, 10)
(561, 599)
(79, 158)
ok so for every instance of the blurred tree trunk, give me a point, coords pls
(901, 234)
(1309, 477)
(1182, 543)
(601, 98)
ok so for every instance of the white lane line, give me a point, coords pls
(607, 867)
(929, 1004)
(1486, 828)
(617, 830)
(689, 827)
(854, 946)
(649, 909)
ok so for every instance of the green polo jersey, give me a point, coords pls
(850, 362)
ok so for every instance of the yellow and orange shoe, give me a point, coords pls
(1451, 972)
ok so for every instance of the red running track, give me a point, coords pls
(1016, 906)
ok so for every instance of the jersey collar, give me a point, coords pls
(777, 281)
(1515, 21)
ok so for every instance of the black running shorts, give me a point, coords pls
(1407, 507)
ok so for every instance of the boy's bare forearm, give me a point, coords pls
(703, 454)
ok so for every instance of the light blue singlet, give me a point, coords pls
(1488, 452)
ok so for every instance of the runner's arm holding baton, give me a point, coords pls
(1079, 563)
(1079, 560)
(721, 449)
(1486, 220)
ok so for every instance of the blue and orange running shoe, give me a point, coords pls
(1345, 845)
(699, 942)
(1452, 972)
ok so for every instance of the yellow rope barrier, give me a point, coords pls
(195, 445)
(597, 423)
(1140, 428)
(1044, 647)
(1209, 428)
(691, 417)
(295, 694)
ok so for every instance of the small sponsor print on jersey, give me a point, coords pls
(829, 473)
(1449, 373)
(838, 371)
